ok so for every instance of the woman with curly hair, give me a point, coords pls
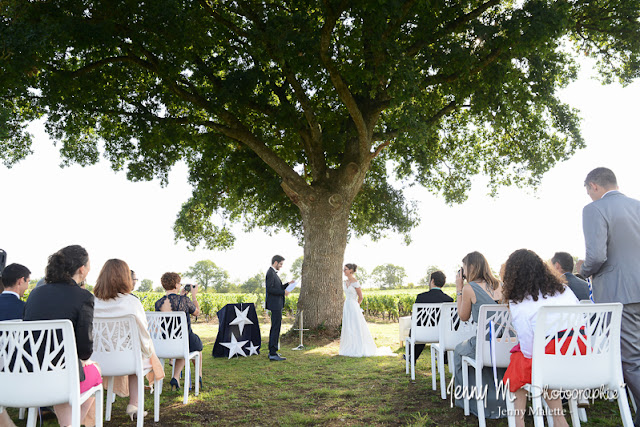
(173, 301)
(482, 288)
(529, 284)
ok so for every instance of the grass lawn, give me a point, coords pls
(314, 386)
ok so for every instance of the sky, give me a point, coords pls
(45, 207)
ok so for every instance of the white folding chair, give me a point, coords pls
(116, 348)
(170, 335)
(597, 327)
(452, 332)
(39, 367)
(424, 330)
(494, 322)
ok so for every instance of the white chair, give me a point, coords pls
(170, 335)
(452, 332)
(116, 348)
(39, 367)
(597, 326)
(494, 321)
(424, 330)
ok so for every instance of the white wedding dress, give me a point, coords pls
(356, 340)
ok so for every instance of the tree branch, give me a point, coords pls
(443, 112)
(224, 21)
(452, 27)
(450, 78)
(234, 129)
(380, 148)
(99, 64)
(383, 136)
(313, 145)
(393, 26)
(337, 80)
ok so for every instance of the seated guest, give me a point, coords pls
(15, 279)
(173, 301)
(563, 263)
(114, 299)
(134, 278)
(528, 285)
(482, 288)
(433, 295)
(61, 298)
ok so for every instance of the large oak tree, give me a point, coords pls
(303, 115)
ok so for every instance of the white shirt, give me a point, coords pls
(525, 314)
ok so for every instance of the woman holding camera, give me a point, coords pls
(173, 301)
(482, 287)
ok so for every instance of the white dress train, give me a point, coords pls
(355, 339)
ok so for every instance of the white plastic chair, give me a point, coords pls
(494, 320)
(601, 366)
(424, 330)
(452, 332)
(116, 348)
(39, 367)
(170, 335)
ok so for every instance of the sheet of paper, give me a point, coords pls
(292, 286)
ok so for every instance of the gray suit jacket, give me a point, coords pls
(611, 228)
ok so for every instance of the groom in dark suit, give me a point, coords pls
(275, 303)
(15, 279)
(611, 226)
(434, 295)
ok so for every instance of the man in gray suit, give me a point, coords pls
(611, 227)
(563, 263)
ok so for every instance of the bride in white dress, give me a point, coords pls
(356, 340)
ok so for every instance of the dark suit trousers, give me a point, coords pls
(630, 351)
(420, 348)
(274, 334)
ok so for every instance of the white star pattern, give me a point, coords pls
(241, 319)
(235, 346)
(253, 349)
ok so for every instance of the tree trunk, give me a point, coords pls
(325, 239)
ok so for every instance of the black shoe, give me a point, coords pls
(276, 357)
(174, 385)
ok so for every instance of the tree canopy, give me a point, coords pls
(388, 276)
(254, 285)
(307, 116)
(206, 273)
(145, 286)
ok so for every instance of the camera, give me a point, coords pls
(462, 273)
(188, 287)
(3, 261)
